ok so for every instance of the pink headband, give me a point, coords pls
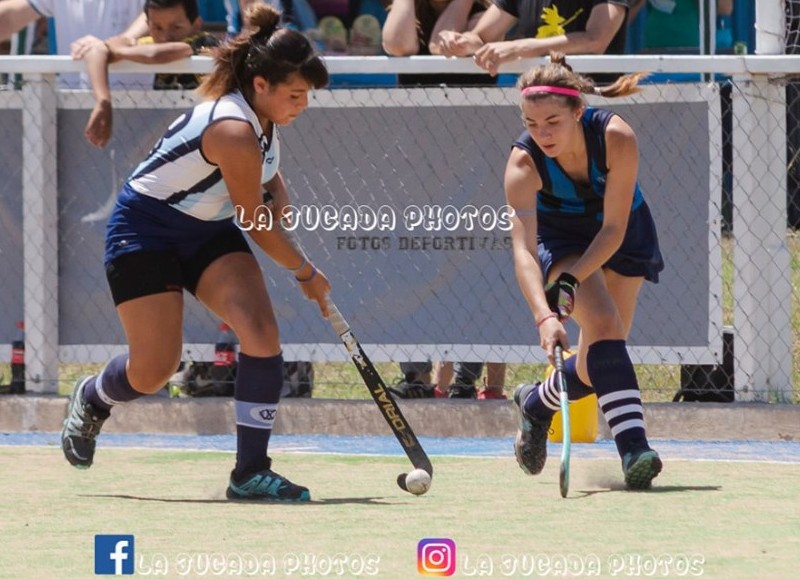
(571, 92)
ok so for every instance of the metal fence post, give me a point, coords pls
(762, 280)
(40, 232)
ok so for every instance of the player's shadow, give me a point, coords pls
(655, 489)
(381, 501)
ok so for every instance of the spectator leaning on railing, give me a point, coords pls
(175, 33)
(568, 26)
(120, 22)
(121, 19)
(414, 27)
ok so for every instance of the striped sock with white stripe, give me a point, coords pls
(543, 400)
(614, 380)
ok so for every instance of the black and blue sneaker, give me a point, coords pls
(530, 446)
(81, 427)
(640, 468)
(266, 485)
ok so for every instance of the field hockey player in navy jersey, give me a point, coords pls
(584, 242)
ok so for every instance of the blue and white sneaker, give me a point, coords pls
(81, 427)
(530, 446)
(640, 468)
(266, 485)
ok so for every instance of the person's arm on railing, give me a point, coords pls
(492, 27)
(129, 37)
(98, 129)
(158, 53)
(14, 16)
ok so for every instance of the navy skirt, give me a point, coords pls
(639, 255)
(142, 223)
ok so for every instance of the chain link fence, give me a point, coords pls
(792, 43)
(400, 201)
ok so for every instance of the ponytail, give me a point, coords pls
(549, 78)
(264, 49)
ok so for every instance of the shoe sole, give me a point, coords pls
(641, 474)
(521, 432)
(71, 459)
(68, 454)
(232, 495)
(518, 442)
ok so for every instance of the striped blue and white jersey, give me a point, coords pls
(560, 193)
(176, 171)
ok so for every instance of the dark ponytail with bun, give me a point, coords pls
(264, 50)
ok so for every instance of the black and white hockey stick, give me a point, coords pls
(377, 388)
(380, 394)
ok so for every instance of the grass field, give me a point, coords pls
(710, 519)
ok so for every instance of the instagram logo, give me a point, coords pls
(436, 557)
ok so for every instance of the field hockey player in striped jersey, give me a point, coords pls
(583, 243)
(173, 229)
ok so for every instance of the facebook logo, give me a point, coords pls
(113, 554)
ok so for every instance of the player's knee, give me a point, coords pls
(260, 325)
(149, 376)
(256, 332)
(604, 324)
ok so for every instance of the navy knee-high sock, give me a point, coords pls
(576, 388)
(256, 395)
(111, 386)
(614, 380)
(543, 401)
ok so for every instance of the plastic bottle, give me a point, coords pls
(177, 382)
(724, 35)
(224, 370)
(18, 361)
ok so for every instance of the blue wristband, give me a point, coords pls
(310, 277)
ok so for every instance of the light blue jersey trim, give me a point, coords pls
(177, 172)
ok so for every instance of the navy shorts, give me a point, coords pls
(153, 248)
(638, 256)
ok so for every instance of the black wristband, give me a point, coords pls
(569, 279)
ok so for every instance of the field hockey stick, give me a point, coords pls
(563, 474)
(380, 394)
(377, 388)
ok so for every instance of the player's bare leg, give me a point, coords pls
(151, 359)
(233, 288)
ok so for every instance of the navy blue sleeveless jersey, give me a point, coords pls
(570, 213)
(560, 193)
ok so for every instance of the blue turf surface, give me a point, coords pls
(778, 451)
